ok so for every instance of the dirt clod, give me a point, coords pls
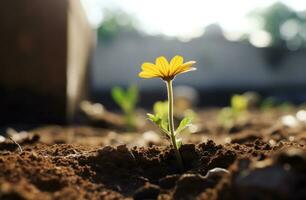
(148, 191)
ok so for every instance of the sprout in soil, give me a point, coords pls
(271, 103)
(236, 113)
(127, 101)
(167, 72)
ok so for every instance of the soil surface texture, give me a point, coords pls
(263, 158)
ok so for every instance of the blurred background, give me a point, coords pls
(54, 54)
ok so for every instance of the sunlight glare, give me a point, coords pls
(181, 18)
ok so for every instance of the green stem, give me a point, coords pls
(130, 121)
(171, 124)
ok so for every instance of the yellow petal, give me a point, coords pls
(176, 61)
(184, 67)
(184, 70)
(163, 65)
(144, 74)
(189, 63)
(150, 67)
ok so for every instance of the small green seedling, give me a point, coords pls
(270, 103)
(167, 71)
(229, 116)
(160, 118)
(239, 103)
(127, 100)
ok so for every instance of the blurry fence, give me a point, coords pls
(223, 66)
(220, 63)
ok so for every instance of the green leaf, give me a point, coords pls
(239, 103)
(160, 108)
(126, 99)
(132, 95)
(186, 122)
(268, 103)
(118, 95)
(163, 125)
(227, 117)
(154, 118)
(178, 143)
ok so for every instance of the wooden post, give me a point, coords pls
(45, 49)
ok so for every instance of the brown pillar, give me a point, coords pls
(44, 52)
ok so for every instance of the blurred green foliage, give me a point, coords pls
(268, 103)
(239, 103)
(271, 103)
(160, 108)
(127, 100)
(286, 27)
(113, 23)
(236, 113)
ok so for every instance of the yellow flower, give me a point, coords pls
(165, 70)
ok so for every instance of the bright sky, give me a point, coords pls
(184, 18)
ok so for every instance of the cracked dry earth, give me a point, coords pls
(254, 170)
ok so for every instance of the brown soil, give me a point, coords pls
(261, 160)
